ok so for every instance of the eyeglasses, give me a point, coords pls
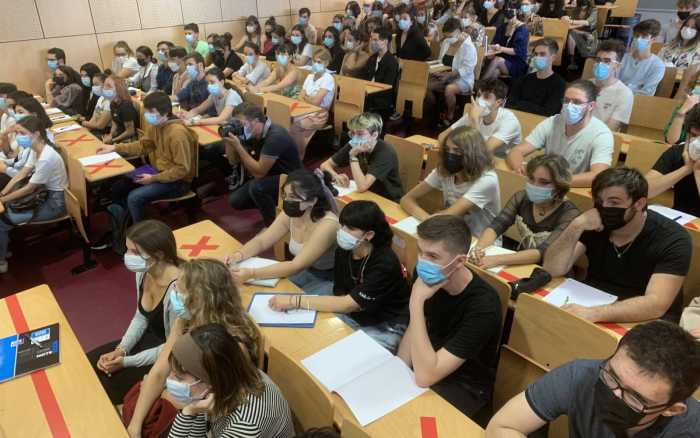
(574, 101)
(605, 61)
(629, 396)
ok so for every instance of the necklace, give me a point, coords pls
(621, 253)
(362, 268)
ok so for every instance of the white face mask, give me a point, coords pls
(485, 106)
(136, 263)
(694, 149)
(688, 33)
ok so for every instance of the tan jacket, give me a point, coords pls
(171, 149)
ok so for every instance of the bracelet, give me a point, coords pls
(354, 160)
(122, 349)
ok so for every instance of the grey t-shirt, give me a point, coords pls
(568, 390)
(231, 98)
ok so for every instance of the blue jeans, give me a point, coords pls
(314, 281)
(53, 207)
(387, 334)
(134, 197)
(260, 193)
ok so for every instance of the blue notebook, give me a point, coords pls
(30, 351)
(146, 169)
(261, 312)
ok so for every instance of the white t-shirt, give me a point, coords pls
(231, 98)
(614, 101)
(325, 82)
(254, 74)
(102, 106)
(307, 51)
(130, 64)
(50, 170)
(6, 122)
(593, 144)
(483, 193)
(31, 161)
(505, 128)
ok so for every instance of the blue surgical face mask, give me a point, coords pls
(328, 42)
(488, 5)
(250, 59)
(574, 113)
(211, 47)
(275, 41)
(641, 44)
(537, 194)
(338, 25)
(108, 94)
(53, 64)
(3, 103)
(282, 59)
(540, 62)
(189, 37)
(162, 56)
(295, 39)
(135, 262)
(404, 25)
(601, 71)
(349, 45)
(420, 19)
(317, 67)
(431, 273)
(357, 140)
(378, 13)
(24, 141)
(214, 89)
(346, 240)
(303, 20)
(348, 13)
(86, 80)
(181, 391)
(19, 116)
(192, 71)
(525, 9)
(97, 90)
(178, 305)
(152, 118)
(696, 90)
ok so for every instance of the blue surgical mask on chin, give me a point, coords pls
(192, 71)
(537, 194)
(108, 94)
(178, 305)
(431, 273)
(53, 64)
(97, 90)
(24, 141)
(181, 391)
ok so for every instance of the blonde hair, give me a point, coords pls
(213, 298)
(323, 55)
(369, 121)
(123, 45)
(476, 156)
(558, 169)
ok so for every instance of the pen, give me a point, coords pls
(676, 218)
(566, 301)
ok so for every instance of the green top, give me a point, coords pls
(202, 48)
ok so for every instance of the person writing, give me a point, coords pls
(283, 79)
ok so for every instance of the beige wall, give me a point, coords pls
(87, 29)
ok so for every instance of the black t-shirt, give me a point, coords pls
(685, 191)
(467, 325)
(662, 247)
(538, 96)
(122, 113)
(234, 62)
(382, 163)
(379, 288)
(279, 145)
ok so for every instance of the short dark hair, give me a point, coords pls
(33, 125)
(612, 45)
(308, 185)
(324, 432)
(251, 45)
(493, 86)
(33, 106)
(367, 216)
(158, 101)
(192, 26)
(58, 53)
(665, 349)
(167, 43)
(18, 95)
(303, 11)
(383, 33)
(449, 229)
(7, 88)
(692, 119)
(399, 9)
(630, 179)
(177, 52)
(354, 7)
(451, 25)
(279, 30)
(145, 51)
(551, 44)
(587, 87)
(648, 27)
(250, 111)
(199, 59)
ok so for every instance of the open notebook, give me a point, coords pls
(259, 262)
(372, 381)
(575, 292)
(259, 309)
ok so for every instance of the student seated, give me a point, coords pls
(455, 320)
(540, 213)
(278, 39)
(147, 77)
(222, 99)
(373, 163)
(615, 100)
(196, 90)
(583, 33)
(466, 178)
(101, 114)
(203, 361)
(151, 254)
(382, 67)
(499, 126)
(252, 34)
(177, 64)
(193, 43)
(205, 294)
(469, 19)
(255, 68)
(642, 70)
(370, 291)
(331, 41)
(457, 52)
(491, 13)
(684, 8)
(303, 49)
(634, 253)
(678, 168)
(65, 91)
(318, 90)
(551, 8)
(125, 116)
(585, 142)
(255, 179)
(55, 57)
(356, 54)
(352, 10)
(305, 24)
(164, 75)
(410, 41)
(267, 45)
(8, 147)
(124, 64)
(507, 54)
(49, 174)
(223, 57)
(527, 14)
(309, 216)
(170, 147)
(645, 389)
(682, 51)
(284, 78)
(87, 73)
(540, 92)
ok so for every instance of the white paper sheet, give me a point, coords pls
(61, 118)
(51, 111)
(347, 359)
(575, 292)
(99, 158)
(259, 262)
(263, 315)
(497, 250)
(674, 215)
(408, 225)
(344, 191)
(71, 127)
(380, 391)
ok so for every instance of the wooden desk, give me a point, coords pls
(301, 343)
(206, 134)
(2, 208)
(60, 401)
(296, 107)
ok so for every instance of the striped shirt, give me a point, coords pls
(262, 416)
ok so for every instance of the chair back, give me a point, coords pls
(656, 47)
(558, 30)
(618, 141)
(311, 404)
(255, 99)
(514, 374)
(76, 182)
(410, 160)
(642, 153)
(490, 33)
(650, 115)
(668, 82)
(412, 86)
(480, 52)
(510, 183)
(624, 9)
(588, 69)
(349, 100)
(528, 121)
(75, 213)
(279, 113)
(352, 430)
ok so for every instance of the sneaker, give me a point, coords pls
(396, 116)
(103, 243)
(3, 266)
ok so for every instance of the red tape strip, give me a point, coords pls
(49, 404)
(691, 225)
(428, 427)
(391, 220)
(209, 130)
(614, 327)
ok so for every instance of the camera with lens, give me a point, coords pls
(234, 127)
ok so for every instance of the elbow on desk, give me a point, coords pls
(425, 379)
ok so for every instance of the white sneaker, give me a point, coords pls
(3, 266)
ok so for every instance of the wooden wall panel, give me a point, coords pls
(201, 11)
(313, 5)
(160, 13)
(115, 15)
(238, 9)
(58, 21)
(269, 8)
(19, 20)
(332, 5)
(135, 38)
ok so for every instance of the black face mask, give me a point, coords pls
(612, 217)
(683, 15)
(142, 62)
(292, 208)
(509, 13)
(613, 411)
(454, 162)
(59, 80)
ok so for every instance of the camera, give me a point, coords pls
(234, 127)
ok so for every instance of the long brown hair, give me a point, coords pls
(121, 90)
(156, 239)
(212, 297)
(476, 156)
(231, 374)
